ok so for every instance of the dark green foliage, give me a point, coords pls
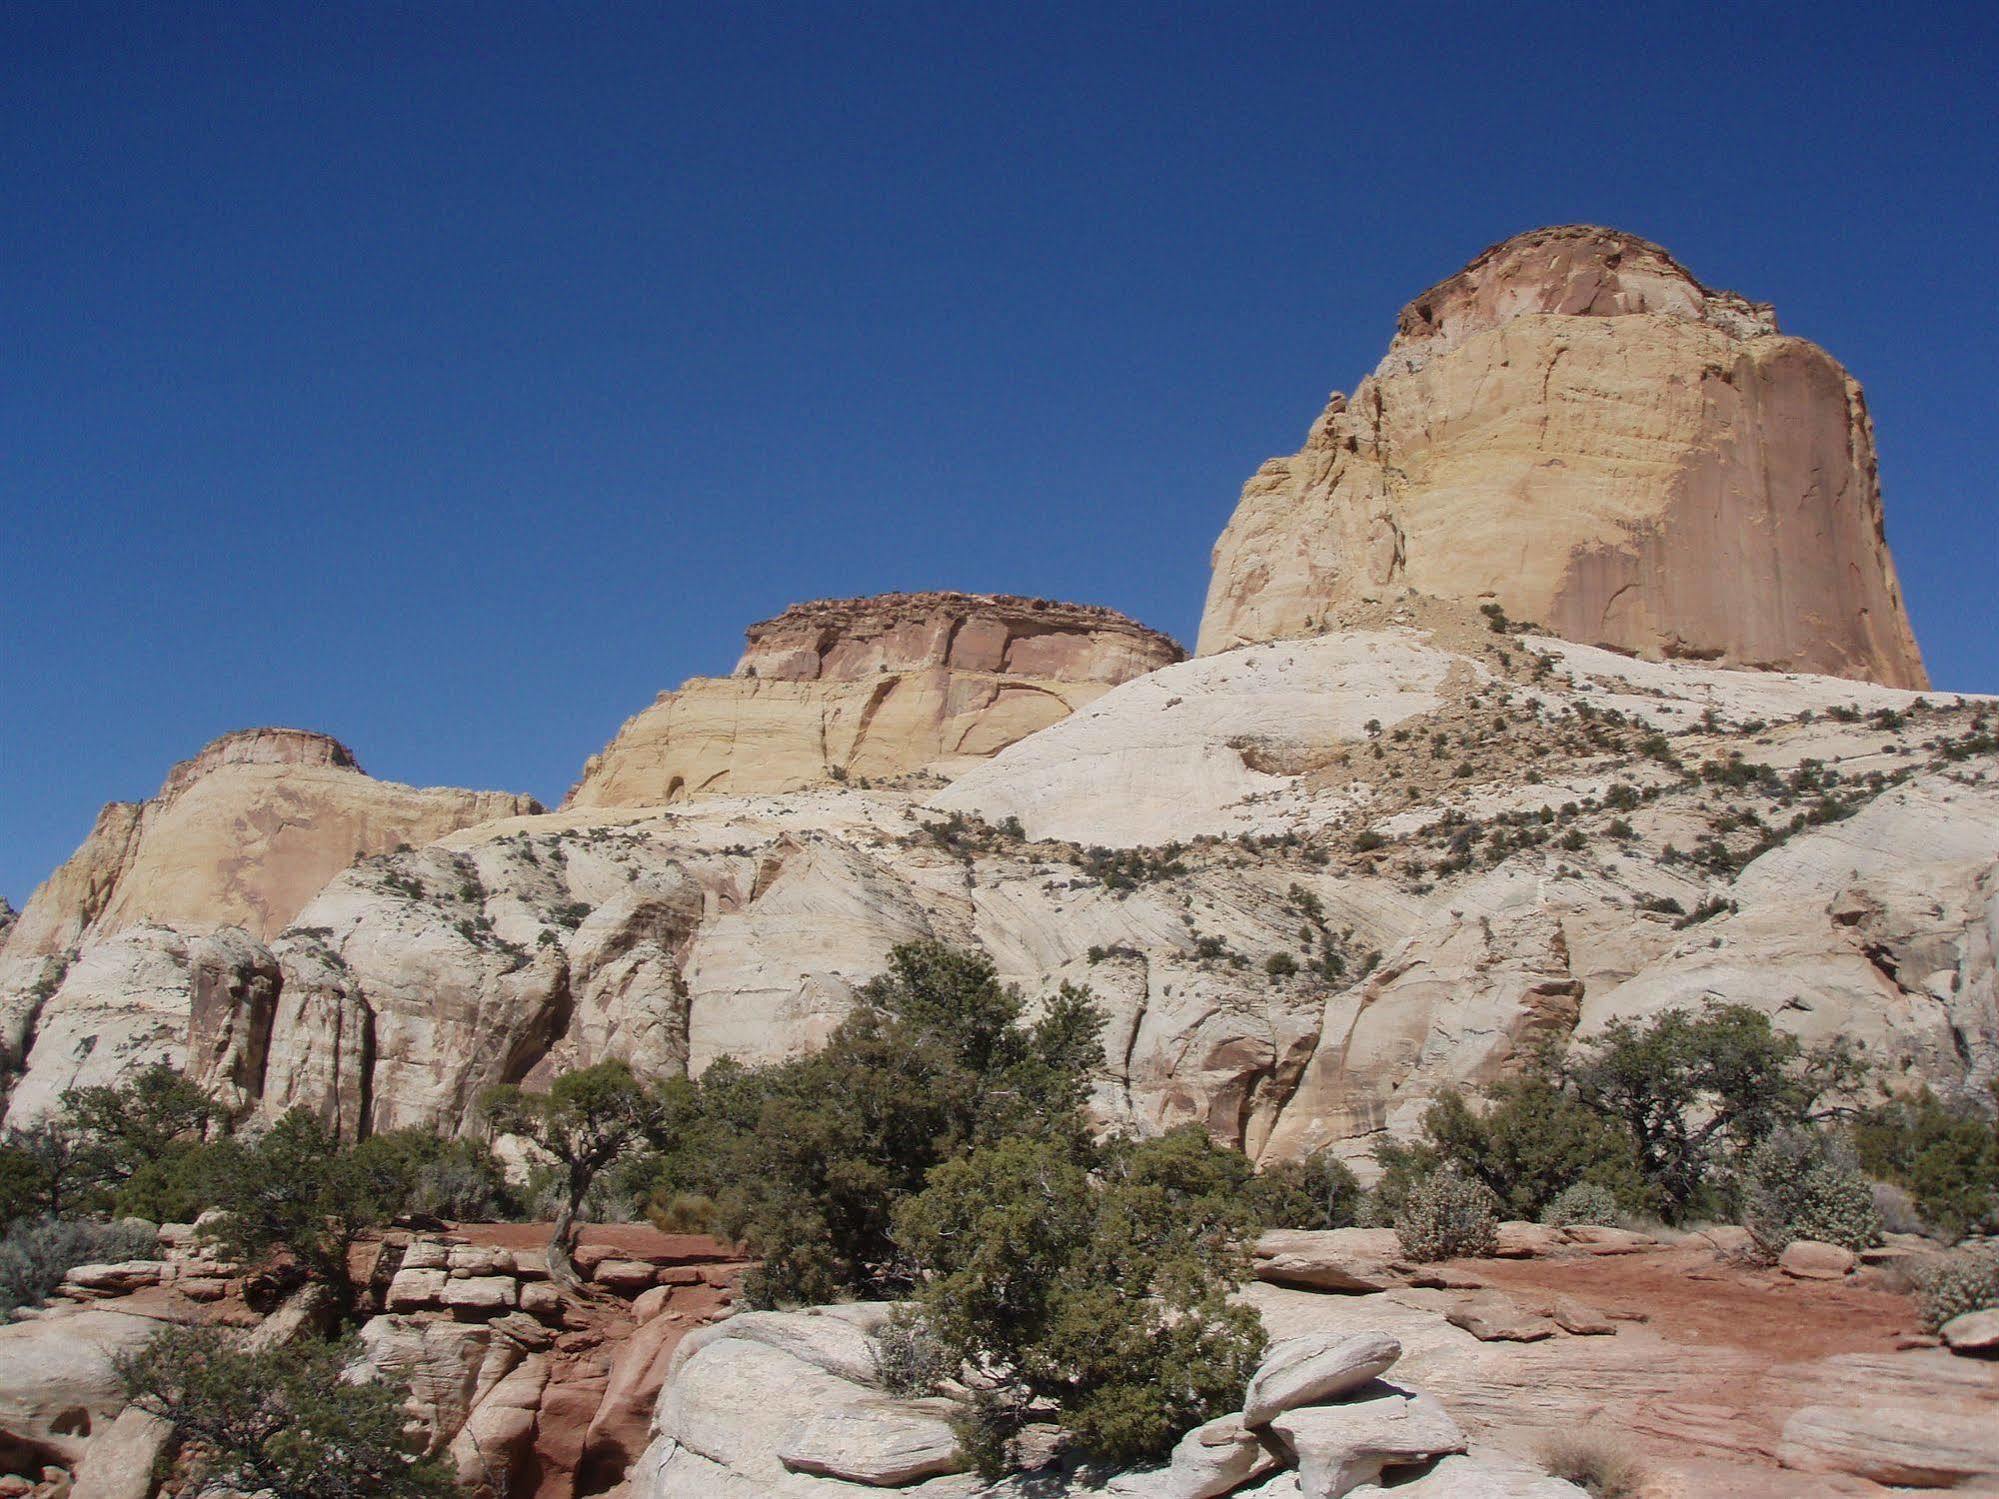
(1533, 1142)
(280, 1421)
(149, 1116)
(807, 1159)
(1280, 965)
(1317, 1192)
(586, 1123)
(1695, 1093)
(1106, 1292)
(1946, 1157)
(298, 1190)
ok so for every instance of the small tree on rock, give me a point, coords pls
(587, 1122)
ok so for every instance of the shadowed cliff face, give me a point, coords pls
(871, 687)
(1577, 430)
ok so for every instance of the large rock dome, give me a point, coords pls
(1574, 428)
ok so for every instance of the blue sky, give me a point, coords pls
(455, 378)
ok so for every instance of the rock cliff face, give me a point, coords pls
(242, 835)
(1577, 430)
(872, 687)
(1465, 842)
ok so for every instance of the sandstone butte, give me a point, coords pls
(1577, 430)
(871, 688)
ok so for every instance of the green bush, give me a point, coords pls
(281, 1421)
(1694, 1093)
(1797, 1185)
(1448, 1215)
(1945, 1156)
(908, 1361)
(1585, 1202)
(37, 1253)
(1532, 1142)
(1967, 1281)
(1108, 1293)
(807, 1159)
(1320, 1191)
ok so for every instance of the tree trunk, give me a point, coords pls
(561, 1268)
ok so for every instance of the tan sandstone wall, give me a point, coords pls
(871, 688)
(1576, 429)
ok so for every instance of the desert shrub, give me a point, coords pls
(299, 1190)
(683, 1213)
(1799, 1185)
(1898, 1210)
(37, 1253)
(807, 1159)
(1601, 1467)
(1695, 1092)
(1585, 1202)
(1967, 1281)
(1280, 965)
(1946, 1156)
(1107, 1292)
(1320, 1191)
(1448, 1215)
(908, 1361)
(1531, 1142)
(280, 1421)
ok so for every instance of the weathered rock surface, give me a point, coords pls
(1315, 1370)
(1217, 1457)
(874, 688)
(58, 1382)
(1575, 429)
(1338, 1448)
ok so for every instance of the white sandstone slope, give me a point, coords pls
(1462, 839)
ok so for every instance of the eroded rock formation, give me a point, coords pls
(1575, 429)
(871, 687)
(105, 963)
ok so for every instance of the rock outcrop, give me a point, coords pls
(243, 834)
(1465, 842)
(871, 688)
(102, 967)
(1577, 431)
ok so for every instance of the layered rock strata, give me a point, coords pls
(1574, 429)
(871, 688)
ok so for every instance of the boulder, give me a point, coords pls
(1313, 1370)
(1974, 1333)
(1338, 1259)
(119, 1462)
(1339, 1447)
(58, 1382)
(1807, 1259)
(1216, 1458)
(481, 1293)
(411, 1290)
(120, 1279)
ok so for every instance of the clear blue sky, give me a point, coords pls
(454, 378)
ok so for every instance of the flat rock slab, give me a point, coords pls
(1493, 1318)
(1335, 1259)
(1807, 1259)
(884, 1444)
